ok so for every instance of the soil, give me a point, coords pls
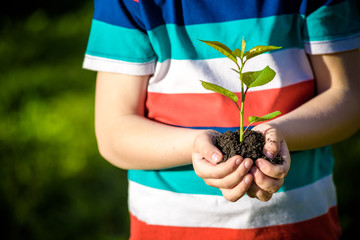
(250, 147)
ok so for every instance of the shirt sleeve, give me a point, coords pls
(118, 41)
(331, 26)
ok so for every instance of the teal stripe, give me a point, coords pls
(327, 23)
(181, 42)
(306, 167)
(180, 180)
(118, 43)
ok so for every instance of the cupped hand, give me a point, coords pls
(231, 177)
(268, 177)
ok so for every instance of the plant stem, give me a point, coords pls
(248, 126)
(242, 118)
(242, 101)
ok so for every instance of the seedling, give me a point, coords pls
(247, 79)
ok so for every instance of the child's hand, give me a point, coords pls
(268, 178)
(232, 177)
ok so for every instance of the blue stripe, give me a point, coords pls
(190, 12)
(128, 13)
(306, 167)
(219, 129)
(115, 12)
(309, 6)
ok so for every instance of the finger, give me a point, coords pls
(207, 170)
(266, 183)
(276, 170)
(239, 190)
(204, 144)
(250, 194)
(258, 193)
(233, 178)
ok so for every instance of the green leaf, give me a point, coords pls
(237, 53)
(269, 116)
(259, 50)
(222, 48)
(243, 45)
(258, 78)
(221, 90)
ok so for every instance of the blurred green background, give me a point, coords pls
(53, 182)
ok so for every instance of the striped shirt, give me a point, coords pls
(161, 38)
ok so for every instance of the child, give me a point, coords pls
(154, 118)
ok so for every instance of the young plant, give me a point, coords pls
(247, 79)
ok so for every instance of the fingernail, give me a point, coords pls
(247, 164)
(258, 163)
(215, 157)
(238, 161)
(247, 180)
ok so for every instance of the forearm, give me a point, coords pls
(134, 142)
(326, 119)
(334, 114)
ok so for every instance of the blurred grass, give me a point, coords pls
(347, 177)
(53, 183)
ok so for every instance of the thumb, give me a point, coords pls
(204, 145)
(272, 143)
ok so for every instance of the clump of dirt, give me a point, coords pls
(250, 147)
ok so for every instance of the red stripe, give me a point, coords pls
(215, 110)
(323, 227)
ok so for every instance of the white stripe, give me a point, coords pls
(182, 76)
(160, 207)
(117, 66)
(333, 46)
